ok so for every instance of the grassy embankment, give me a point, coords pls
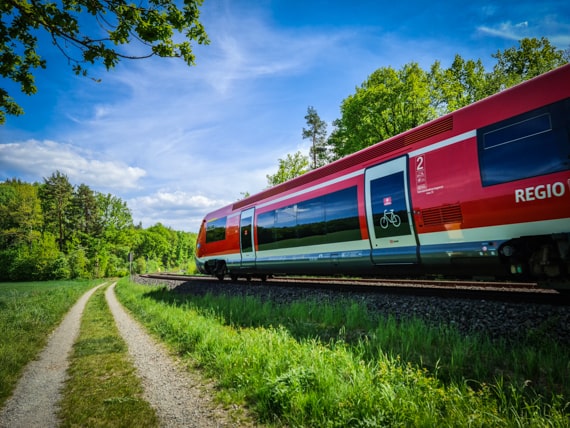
(29, 312)
(314, 364)
(103, 389)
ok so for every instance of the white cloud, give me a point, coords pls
(179, 209)
(507, 30)
(39, 159)
(548, 26)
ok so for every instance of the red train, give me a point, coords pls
(483, 191)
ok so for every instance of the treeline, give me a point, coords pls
(54, 230)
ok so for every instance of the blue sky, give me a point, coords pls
(175, 142)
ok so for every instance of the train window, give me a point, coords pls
(216, 230)
(311, 221)
(265, 223)
(325, 219)
(284, 228)
(341, 215)
(528, 145)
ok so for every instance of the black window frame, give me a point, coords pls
(527, 145)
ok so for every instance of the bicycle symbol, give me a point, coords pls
(390, 217)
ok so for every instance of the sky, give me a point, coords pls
(175, 142)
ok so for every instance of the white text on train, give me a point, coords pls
(540, 192)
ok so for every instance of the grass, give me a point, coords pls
(29, 312)
(316, 364)
(103, 389)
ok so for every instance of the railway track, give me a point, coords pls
(512, 292)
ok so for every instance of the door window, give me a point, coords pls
(389, 210)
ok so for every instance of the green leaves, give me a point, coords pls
(91, 31)
(290, 167)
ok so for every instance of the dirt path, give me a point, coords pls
(34, 402)
(179, 398)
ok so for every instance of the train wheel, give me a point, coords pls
(234, 277)
(221, 270)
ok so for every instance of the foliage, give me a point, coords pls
(302, 381)
(290, 167)
(316, 131)
(29, 313)
(391, 101)
(91, 31)
(56, 231)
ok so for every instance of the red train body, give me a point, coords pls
(483, 191)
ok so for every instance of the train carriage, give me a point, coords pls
(483, 191)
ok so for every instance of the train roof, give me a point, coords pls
(541, 87)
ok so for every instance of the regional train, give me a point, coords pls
(481, 192)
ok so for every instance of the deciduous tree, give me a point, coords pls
(91, 31)
(290, 167)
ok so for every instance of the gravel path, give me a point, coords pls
(34, 402)
(180, 398)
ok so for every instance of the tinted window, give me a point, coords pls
(389, 209)
(532, 144)
(341, 216)
(326, 219)
(246, 239)
(216, 230)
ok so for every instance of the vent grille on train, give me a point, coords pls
(442, 215)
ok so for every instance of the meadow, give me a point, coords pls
(29, 312)
(314, 364)
(297, 364)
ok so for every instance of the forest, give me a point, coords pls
(55, 230)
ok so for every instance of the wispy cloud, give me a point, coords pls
(507, 30)
(42, 158)
(548, 26)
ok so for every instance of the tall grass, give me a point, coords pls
(316, 364)
(28, 313)
(103, 389)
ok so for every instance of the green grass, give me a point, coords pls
(29, 312)
(319, 364)
(103, 389)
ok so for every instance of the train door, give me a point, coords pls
(247, 247)
(388, 213)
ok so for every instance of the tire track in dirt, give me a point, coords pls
(180, 398)
(35, 398)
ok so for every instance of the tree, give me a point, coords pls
(316, 131)
(387, 103)
(20, 214)
(458, 86)
(56, 196)
(90, 31)
(531, 58)
(290, 167)
(86, 213)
